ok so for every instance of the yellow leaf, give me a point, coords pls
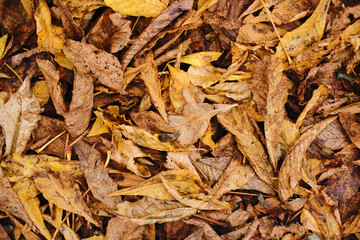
(206, 139)
(145, 8)
(64, 61)
(150, 210)
(27, 194)
(3, 40)
(98, 128)
(309, 32)
(201, 59)
(60, 189)
(50, 37)
(41, 92)
(178, 81)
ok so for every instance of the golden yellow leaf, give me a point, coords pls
(309, 32)
(178, 81)
(50, 37)
(41, 92)
(289, 134)
(201, 59)
(63, 61)
(98, 128)
(3, 40)
(290, 171)
(235, 176)
(145, 8)
(206, 139)
(60, 189)
(150, 210)
(27, 194)
(197, 201)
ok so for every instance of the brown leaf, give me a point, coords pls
(100, 65)
(351, 123)
(18, 118)
(151, 122)
(96, 175)
(209, 233)
(237, 122)
(289, 175)
(159, 23)
(60, 189)
(110, 33)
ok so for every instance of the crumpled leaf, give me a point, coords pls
(145, 8)
(310, 31)
(149, 74)
(289, 175)
(150, 210)
(111, 32)
(201, 59)
(18, 118)
(50, 37)
(96, 175)
(235, 176)
(194, 121)
(237, 122)
(59, 189)
(103, 67)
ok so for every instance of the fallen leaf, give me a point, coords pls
(201, 59)
(41, 92)
(100, 65)
(147, 8)
(179, 80)
(50, 37)
(59, 189)
(182, 160)
(149, 210)
(351, 123)
(209, 232)
(18, 118)
(3, 40)
(289, 175)
(151, 122)
(96, 175)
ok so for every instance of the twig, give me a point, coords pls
(49, 142)
(17, 75)
(221, 224)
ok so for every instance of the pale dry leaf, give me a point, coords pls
(212, 168)
(149, 74)
(237, 122)
(182, 160)
(209, 232)
(235, 176)
(194, 120)
(60, 189)
(151, 122)
(103, 67)
(149, 210)
(97, 177)
(290, 174)
(18, 118)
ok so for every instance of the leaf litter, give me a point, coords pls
(179, 119)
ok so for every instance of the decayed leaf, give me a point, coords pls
(197, 201)
(289, 175)
(145, 8)
(96, 175)
(194, 121)
(258, 33)
(311, 31)
(121, 228)
(50, 37)
(27, 194)
(321, 218)
(351, 123)
(125, 152)
(235, 176)
(100, 65)
(59, 189)
(159, 23)
(18, 118)
(111, 32)
(201, 59)
(237, 122)
(9, 201)
(275, 108)
(149, 74)
(150, 210)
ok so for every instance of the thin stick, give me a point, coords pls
(17, 75)
(277, 33)
(222, 224)
(293, 217)
(132, 29)
(252, 194)
(49, 142)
